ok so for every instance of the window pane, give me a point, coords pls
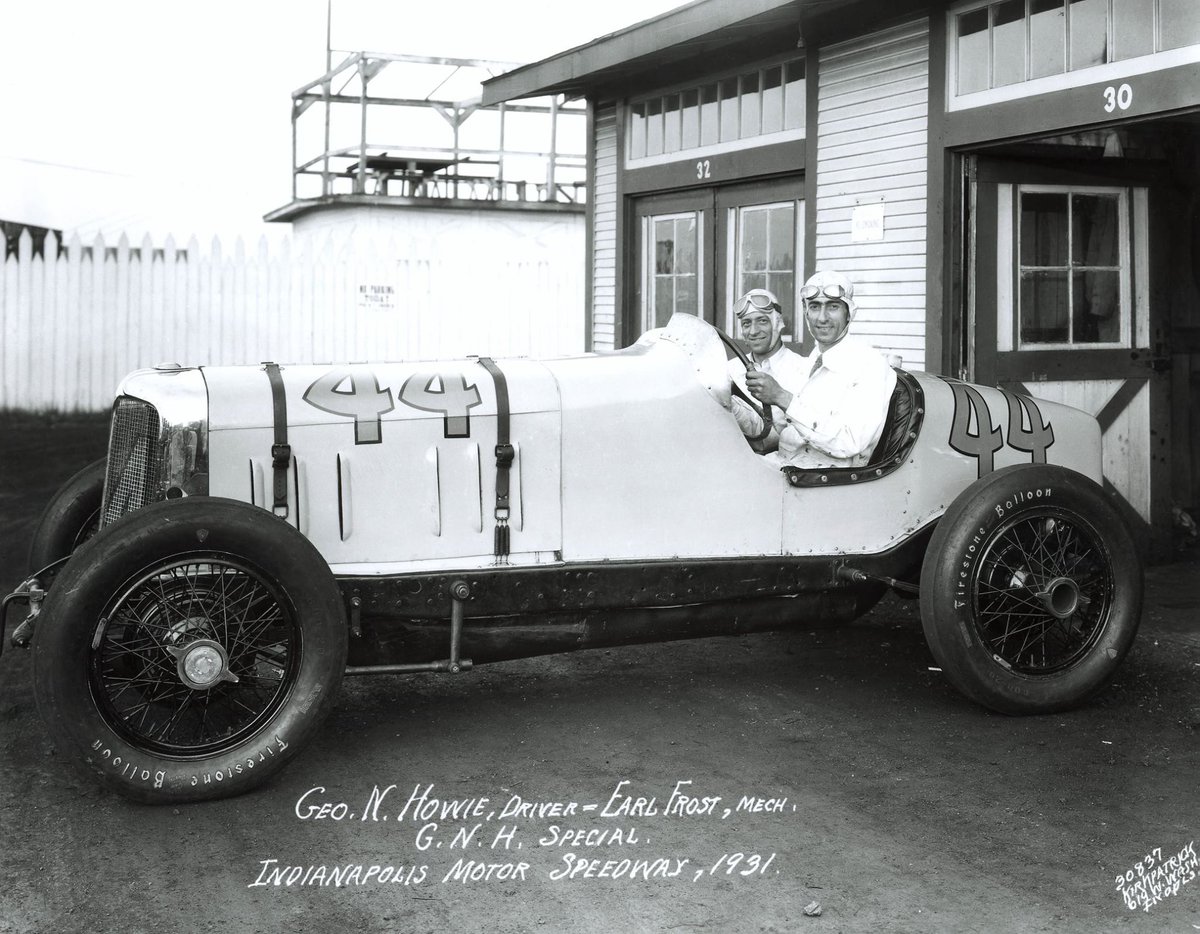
(691, 119)
(751, 107)
(772, 100)
(664, 247)
(637, 131)
(1097, 301)
(685, 295)
(783, 285)
(654, 127)
(1095, 225)
(766, 250)
(1179, 23)
(729, 110)
(1008, 42)
(754, 241)
(780, 280)
(1089, 33)
(1047, 38)
(671, 124)
(1043, 229)
(685, 252)
(972, 51)
(664, 301)
(675, 263)
(1044, 308)
(794, 103)
(781, 232)
(1133, 28)
(710, 127)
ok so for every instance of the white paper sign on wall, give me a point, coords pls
(866, 223)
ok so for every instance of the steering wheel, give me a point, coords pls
(763, 410)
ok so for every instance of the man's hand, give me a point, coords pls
(764, 388)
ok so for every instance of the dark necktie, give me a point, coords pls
(816, 366)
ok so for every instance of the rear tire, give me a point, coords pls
(1031, 590)
(189, 650)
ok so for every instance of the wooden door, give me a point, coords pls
(1063, 280)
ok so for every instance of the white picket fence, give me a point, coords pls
(74, 322)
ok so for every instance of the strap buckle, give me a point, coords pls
(505, 454)
(281, 456)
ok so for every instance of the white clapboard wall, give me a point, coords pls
(872, 123)
(604, 228)
(75, 320)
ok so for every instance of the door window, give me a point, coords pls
(765, 254)
(1073, 270)
(673, 267)
(696, 251)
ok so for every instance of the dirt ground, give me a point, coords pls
(847, 773)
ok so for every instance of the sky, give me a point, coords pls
(169, 117)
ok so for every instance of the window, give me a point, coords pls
(691, 119)
(672, 268)
(1047, 38)
(765, 255)
(762, 102)
(1178, 24)
(1074, 268)
(1133, 29)
(1008, 42)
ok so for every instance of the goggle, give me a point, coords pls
(756, 299)
(836, 291)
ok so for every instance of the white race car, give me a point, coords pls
(263, 531)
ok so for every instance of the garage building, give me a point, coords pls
(1013, 185)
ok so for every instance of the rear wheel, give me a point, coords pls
(189, 650)
(1031, 590)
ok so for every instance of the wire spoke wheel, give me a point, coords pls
(1031, 590)
(194, 656)
(1043, 592)
(190, 650)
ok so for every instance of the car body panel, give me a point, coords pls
(871, 516)
(397, 485)
(655, 467)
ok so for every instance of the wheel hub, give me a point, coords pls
(1060, 597)
(202, 664)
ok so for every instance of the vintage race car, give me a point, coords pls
(263, 531)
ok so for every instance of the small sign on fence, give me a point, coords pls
(375, 297)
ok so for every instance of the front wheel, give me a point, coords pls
(189, 650)
(70, 518)
(1031, 590)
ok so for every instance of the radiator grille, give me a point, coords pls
(134, 459)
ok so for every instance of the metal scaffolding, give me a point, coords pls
(392, 129)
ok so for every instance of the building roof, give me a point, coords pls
(689, 32)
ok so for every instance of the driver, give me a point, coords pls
(760, 318)
(835, 417)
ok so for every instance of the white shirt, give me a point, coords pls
(788, 368)
(837, 416)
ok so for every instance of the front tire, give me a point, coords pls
(190, 650)
(70, 518)
(1031, 590)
